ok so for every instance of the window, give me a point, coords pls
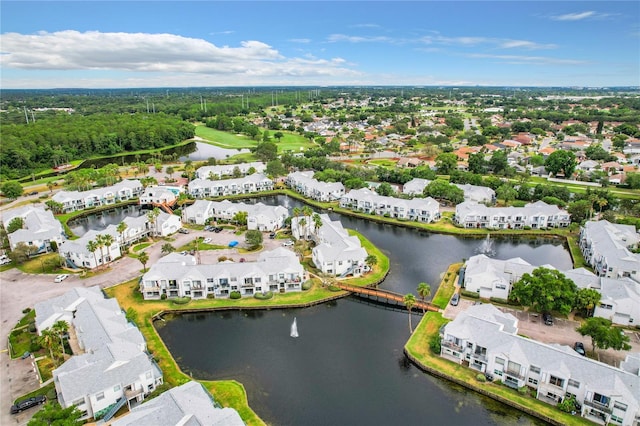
(78, 401)
(499, 361)
(620, 406)
(533, 381)
(601, 399)
(497, 373)
(100, 396)
(257, 280)
(605, 306)
(574, 383)
(556, 381)
(534, 369)
(469, 344)
(116, 388)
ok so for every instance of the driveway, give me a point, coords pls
(19, 290)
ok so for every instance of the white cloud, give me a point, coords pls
(333, 38)
(577, 16)
(166, 53)
(525, 44)
(531, 60)
(300, 40)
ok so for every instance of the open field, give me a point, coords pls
(289, 142)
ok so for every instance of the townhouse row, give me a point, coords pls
(538, 215)
(202, 188)
(304, 183)
(177, 275)
(487, 340)
(79, 200)
(366, 201)
(259, 216)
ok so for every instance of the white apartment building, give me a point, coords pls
(80, 200)
(259, 216)
(39, 228)
(538, 215)
(257, 182)
(304, 183)
(228, 170)
(366, 201)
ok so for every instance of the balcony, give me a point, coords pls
(451, 345)
(598, 406)
(514, 373)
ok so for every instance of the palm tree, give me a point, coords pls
(122, 226)
(167, 248)
(108, 241)
(100, 243)
(296, 213)
(144, 258)
(60, 328)
(410, 302)
(424, 291)
(48, 339)
(152, 216)
(92, 246)
(317, 223)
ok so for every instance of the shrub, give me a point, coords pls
(481, 377)
(32, 328)
(504, 301)
(222, 258)
(235, 295)
(434, 344)
(264, 296)
(182, 300)
(26, 310)
(307, 285)
(334, 288)
(211, 296)
(523, 390)
(163, 297)
(470, 294)
(34, 347)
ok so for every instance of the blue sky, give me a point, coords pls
(204, 43)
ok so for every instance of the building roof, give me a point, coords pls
(38, 224)
(186, 405)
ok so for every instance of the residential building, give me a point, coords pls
(256, 182)
(336, 252)
(487, 339)
(39, 228)
(620, 301)
(415, 186)
(189, 404)
(304, 183)
(77, 254)
(538, 215)
(79, 200)
(229, 170)
(259, 216)
(478, 194)
(606, 248)
(176, 275)
(366, 201)
(158, 195)
(493, 277)
(166, 224)
(110, 366)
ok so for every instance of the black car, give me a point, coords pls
(28, 403)
(272, 235)
(547, 318)
(183, 230)
(579, 347)
(217, 229)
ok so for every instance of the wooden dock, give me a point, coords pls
(386, 295)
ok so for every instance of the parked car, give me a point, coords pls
(547, 318)
(60, 278)
(288, 243)
(579, 347)
(206, 240)
(4, 259)
(183, 230)
(28, 403)
(216, 229)
(33, 193)
(208, 228)
(455, 299)
(272, 235)
(25, 355)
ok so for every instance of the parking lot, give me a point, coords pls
(563, 331)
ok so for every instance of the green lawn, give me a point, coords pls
(289, 142)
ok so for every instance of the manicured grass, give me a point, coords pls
(43, 264)
(225, 139)
(20, 342)
(418, 348)
(382, 162)
(45, 367)
(447, 286)
(140, 246)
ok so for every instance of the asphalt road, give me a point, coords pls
(19, 290)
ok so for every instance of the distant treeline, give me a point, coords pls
(49, 142)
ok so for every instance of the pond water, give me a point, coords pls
(100, 220)
(347, 366)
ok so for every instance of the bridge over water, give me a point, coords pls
(386, 295)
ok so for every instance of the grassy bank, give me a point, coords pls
(419, 350)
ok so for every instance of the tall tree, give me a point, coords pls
(92, 246)
(167, 248)
(561, 161)
(587, 299)
(545, 290)
(603, 335)
(60, 328)
(410, 302)
(108, 241)
(424, 291)
(122, 226)
(143, 257)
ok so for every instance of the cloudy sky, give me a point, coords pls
(115, 44)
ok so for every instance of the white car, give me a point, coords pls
(4, 260)
(287, 243)
(206, 240)
(60, 278)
